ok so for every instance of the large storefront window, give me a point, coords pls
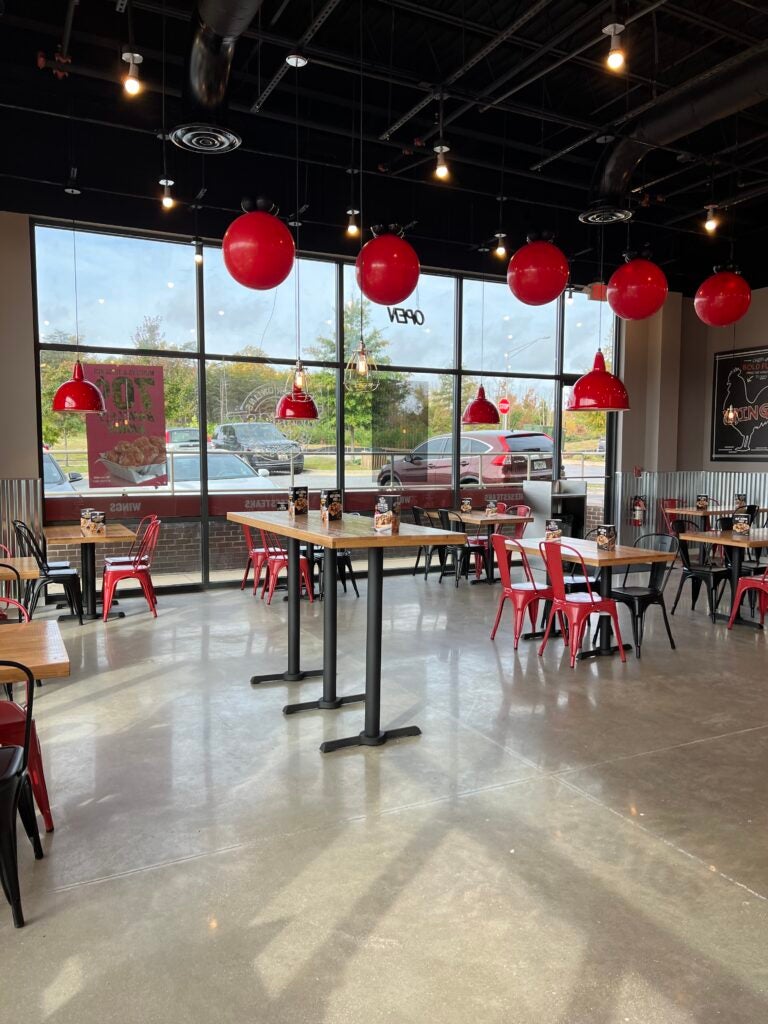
(142, 341)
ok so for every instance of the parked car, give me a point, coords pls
(262, 444)
(600, 444)
(55, 480)
(225, 473)
(486, 456)
(178, 439)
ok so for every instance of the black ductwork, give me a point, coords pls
(216, 27)
(724, 91)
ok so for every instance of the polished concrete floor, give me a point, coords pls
(568, 847)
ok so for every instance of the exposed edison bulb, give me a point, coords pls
(501, 249)
(353, 229)
(712, 223)
(616, 58)
(168, 201)
(442, 170)
(299, 378)
(362, 362)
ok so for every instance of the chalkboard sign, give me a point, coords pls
(740, 384)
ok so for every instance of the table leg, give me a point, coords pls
(294, 673)
(605, 648)
(329, 700)
(372, 736)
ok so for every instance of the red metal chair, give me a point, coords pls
(501, 507)
(257, 557)
(520, 510)
(745, 584)
(13, 719)
(277, 560)
(5, 553)
(524, 596)
(137, 542)
(139, 569)
(575, 609)
(668, 506)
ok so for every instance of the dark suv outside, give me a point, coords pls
(486, 456)
(261, 444)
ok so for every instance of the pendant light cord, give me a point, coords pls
(482, 324)
(77, 310)
(165, 162)
(298, 223)
(360, 162)
(600, 310)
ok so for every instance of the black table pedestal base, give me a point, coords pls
(323, 705)
(602, 652)
(363, 740)
(286, 677)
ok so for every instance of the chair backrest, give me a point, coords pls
(141, 529)
(520, 528)
(751, 511)
(668, 505)
(248, 537)
(9, 601)
(659, 571)
(450, 521)
(725, 522)
(501, 507)
(431, 519)
(684, 526)
(550, 553)
(590, 534)
(142, 559)
(29, 546)
(502, 547)
(418, 515)
(30, 684)
(5, 552)
(272, 543)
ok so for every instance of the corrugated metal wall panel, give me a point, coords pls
(20, 499)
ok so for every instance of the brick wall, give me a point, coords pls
(594, 517)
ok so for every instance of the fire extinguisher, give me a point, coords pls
(639, 509)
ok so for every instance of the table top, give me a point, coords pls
(713, 510)
(72, 535)
(483, 519)
(26, 568)
(38, 645)
(753, 539)
(350, 532)
(593, 555)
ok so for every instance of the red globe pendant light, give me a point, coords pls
(480, 411)
(258, 250)
(598, 391)
(78, 394)
(538, 273)
(722, 299)
(637, 289)
(387, 269)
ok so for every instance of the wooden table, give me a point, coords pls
(706, 513)
(36, 644)
(491, 522)
(739, 543)
(116, 533)
(25, 567)
(605, 562)
(355, 533)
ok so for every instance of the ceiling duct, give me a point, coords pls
(727, 89)
(216, 27)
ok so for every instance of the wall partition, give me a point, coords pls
(192, 362)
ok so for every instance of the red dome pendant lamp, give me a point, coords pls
(480, 411)
(77, 394)
(297, 403)
(599, 390)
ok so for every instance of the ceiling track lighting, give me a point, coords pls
(500, 249)
(712, 223)
(168, 201)
(441, 147)
(132, 83)
(616, 57)
(353, 228)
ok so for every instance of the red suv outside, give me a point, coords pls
(486, 456)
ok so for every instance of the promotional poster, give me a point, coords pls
(740, 406)
(126, 445)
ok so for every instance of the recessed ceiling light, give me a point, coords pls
(296, 60)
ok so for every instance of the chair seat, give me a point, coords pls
(634, 592)
(579, 581)
(585, 599)
(120, 560)
(546, 592)
(11, 759)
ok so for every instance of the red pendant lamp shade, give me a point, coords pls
(258, 250)
(722, 299)
(598, 391)
(637, 290)
(78, 394)
(537, 273)
(387, 269)
(296, 405)
(480, 411)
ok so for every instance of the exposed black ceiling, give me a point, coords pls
(526, 98)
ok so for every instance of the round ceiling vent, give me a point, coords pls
(205, 138)
(605, 213)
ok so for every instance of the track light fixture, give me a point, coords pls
(441, 147)
(500, 249)
(168, 201)
(712, 223)
(131, 82)
(616, 57)
(353, 228)
(198, 251)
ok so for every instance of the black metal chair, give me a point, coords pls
(639, 599)
(420, 519)
(16, 796)
(456, 556)
(343, 569)
(67, 578)
(713, 576)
